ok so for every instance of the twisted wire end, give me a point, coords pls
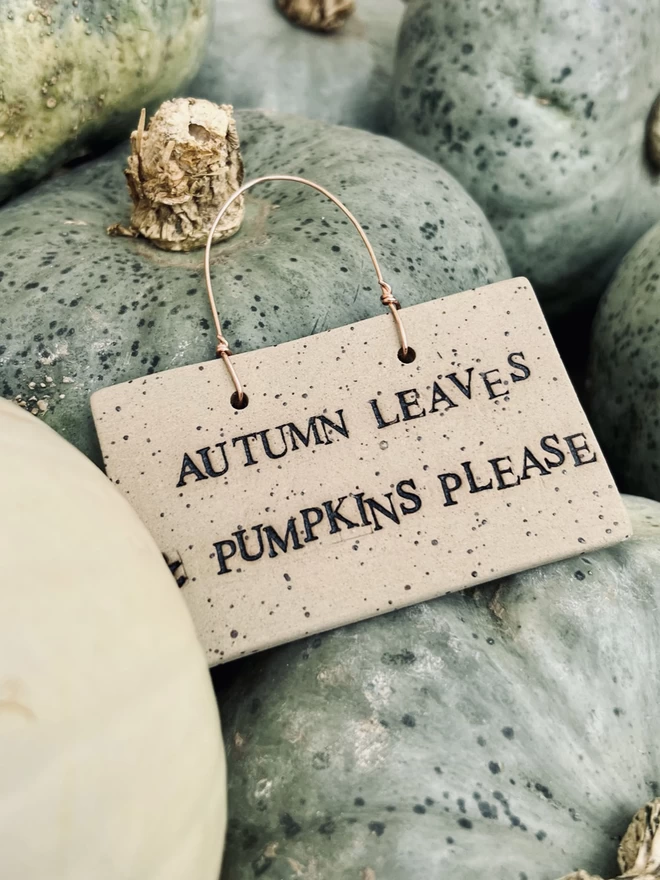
(222, 348)
(387, 297)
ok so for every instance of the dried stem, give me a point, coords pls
(181, 170)
(318, 15)
(639, 851)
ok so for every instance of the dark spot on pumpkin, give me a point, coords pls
(321, 761)
(465, 823)
(250, 839)
(390, 808)
(565, 72)
(541, 835)
(513, 122)
(461, 805)
(438, 770)
(579, 575)
(544, 790)
(481, 741)
(290, 826)
(507, 732)
(467, 48)
(419, 808)
(234, 634)
(328, 827)
(618, 712)
(404, 658)
(429, 801)
(450, 840)
(358, 802)
(408, 720)
(494, 767)
(487, 810)
(377, 827)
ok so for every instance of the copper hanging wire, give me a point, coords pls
(387, 298)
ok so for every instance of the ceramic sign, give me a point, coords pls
(352, 483)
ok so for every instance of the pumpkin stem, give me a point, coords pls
(317, 15)
(639, 851)
(182, 168)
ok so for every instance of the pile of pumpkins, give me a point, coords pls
(505, 730)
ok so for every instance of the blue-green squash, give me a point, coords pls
(506, 732)
(258, 58)
(540, 110)
(623, 382)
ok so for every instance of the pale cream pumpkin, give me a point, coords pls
(111, 761)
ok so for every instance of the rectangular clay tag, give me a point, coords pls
(353, 483)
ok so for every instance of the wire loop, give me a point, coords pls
(387, 298)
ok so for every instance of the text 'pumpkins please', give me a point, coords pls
(352, 476)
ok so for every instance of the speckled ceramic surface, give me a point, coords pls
(351, 478)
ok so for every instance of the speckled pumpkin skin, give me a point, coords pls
(539, 109)
(505, 732)
(257, 58)
(623, 383)
(75, 70)
(94, 310)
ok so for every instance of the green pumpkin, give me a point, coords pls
(506, 732)
(72, 72)
(258, 58)
(87, 310)
(623, 385)
(539, 109)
